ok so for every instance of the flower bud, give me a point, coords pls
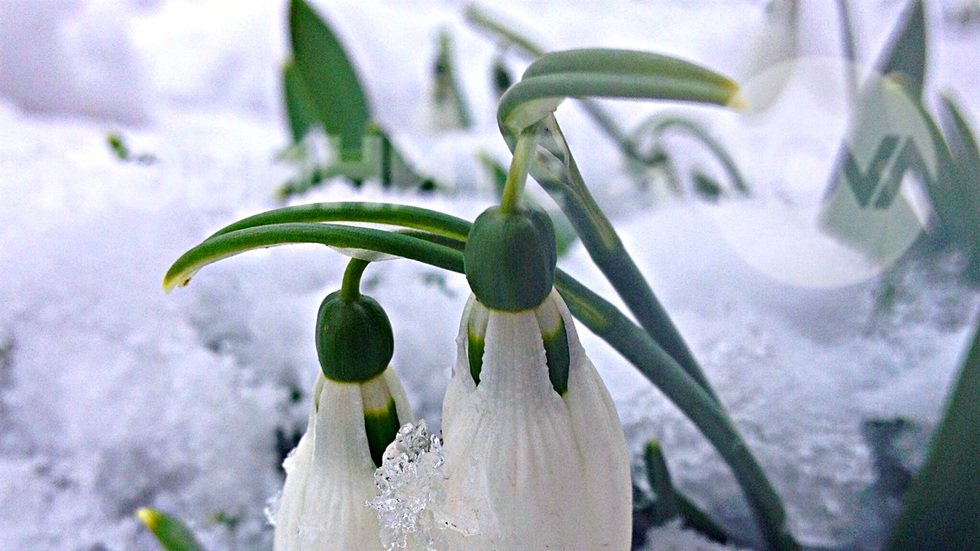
(535, 455)
(510, 258)
(354, 342)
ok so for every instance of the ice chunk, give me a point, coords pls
(410, 488)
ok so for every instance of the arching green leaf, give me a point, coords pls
(335, 92)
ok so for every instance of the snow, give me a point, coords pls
(115, 396)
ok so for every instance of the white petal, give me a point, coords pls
(402, 407)
(507, 445)
(528, 469)
(461, 383)
(329, 477)
(600, 440)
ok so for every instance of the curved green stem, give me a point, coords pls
(658, 125)
(480, 18)
(350, 288)
(527, 141)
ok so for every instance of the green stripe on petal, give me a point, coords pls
(555, 340)
(476, 331)
(380, 416)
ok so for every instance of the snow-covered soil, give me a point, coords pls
(115, 396)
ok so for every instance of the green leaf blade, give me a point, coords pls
(299, 105)
(336, 93)
(942, 506)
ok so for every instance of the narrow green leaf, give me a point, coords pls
(235, 242)
(380, 213)
(336, 93)
(962, 190)
(942, 507)
(448, 93)
(299, 105)
(482, 20)
(604, 73)
(658, 475)
(606, 321)
(904, 58)
(623, 62)
(170, 531)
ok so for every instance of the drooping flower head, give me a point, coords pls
(358, 406)
(535, 452)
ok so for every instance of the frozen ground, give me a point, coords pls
(114, 395)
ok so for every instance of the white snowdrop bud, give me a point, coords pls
(330, 474)
(530, 462)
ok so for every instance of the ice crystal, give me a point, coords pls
(271, 508)
(410, 490)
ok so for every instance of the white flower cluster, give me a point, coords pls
(524, 466)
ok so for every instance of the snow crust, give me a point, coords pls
(115, 396)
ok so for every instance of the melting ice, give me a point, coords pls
(410, 490)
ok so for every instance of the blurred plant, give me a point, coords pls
(657, 128)
(323, 96)
(117, 144)
(956, 195)
(448, 99)
(952, 187)
(663, 503)
(965, 14)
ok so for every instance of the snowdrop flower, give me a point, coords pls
(535, 456)
(535, 459)
(358, 406)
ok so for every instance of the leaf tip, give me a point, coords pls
(149, 517)
(736, 100)
(173, 280)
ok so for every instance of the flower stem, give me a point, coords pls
(527, 142)
(350, 288)
(658, 126)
